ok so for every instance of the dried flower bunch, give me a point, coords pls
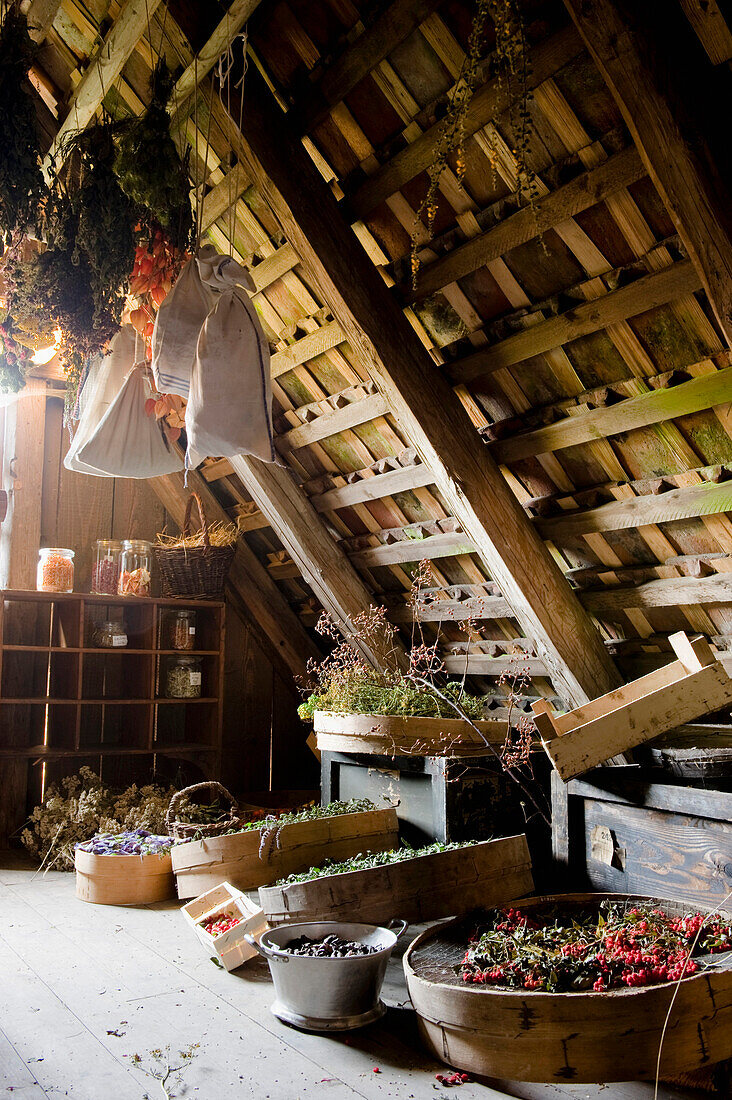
(610, 946)
(21, 181)
(81, 806)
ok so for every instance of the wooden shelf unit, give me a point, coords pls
(62, 698)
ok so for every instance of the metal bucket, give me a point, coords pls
(325, 994)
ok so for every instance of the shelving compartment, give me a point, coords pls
(138, 616)
(39, 674)
(41, 622)
(119, 674)
(119, 727)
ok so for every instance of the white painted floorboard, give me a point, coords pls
(84, 987)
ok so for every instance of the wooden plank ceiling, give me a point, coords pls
(577, 334)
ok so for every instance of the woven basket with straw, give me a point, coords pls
(193, 567)
(203, 794)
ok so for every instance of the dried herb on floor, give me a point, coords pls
(21, 181)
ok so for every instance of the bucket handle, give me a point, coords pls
(392, 926)
(265, 952)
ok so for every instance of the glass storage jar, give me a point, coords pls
(110, 634)
(181, 627)
(135, 567)
(183, 679)
(55, 571)
(105, 570)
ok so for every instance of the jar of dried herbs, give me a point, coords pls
(110, 634)
(183, 680)
(181, 630)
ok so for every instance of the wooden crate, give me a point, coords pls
(564, 1037)
(418, 889)
(123, 880)
(200, 865)
(400, 735)
(230, 947)
(691, 686)
(616, 831)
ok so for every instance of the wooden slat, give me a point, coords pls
(640, 50)
(668, 592)
(438, 611)
(423, 404)
(393, 553)
(480, 664)
(274, 267)
(697, 500)
(488, 102)
(577, 195)
(350, 416)
(223, 196)
(23, 461)
(102, 71)
(386, 32)
(374, 488)
(41, 15)
(699, 393)
(710, 24)
(646, 293)
(315, 343)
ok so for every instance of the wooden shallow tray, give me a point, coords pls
(123, 880)
(564, 1037)
(423, 888)
(200, 865)
(396, 735)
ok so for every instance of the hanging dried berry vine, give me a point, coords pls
(21, 181)
(509, 62)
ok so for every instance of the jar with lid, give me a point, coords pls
(183, 679)
(105, 570)
(55, 571)
(135, 567)
(110, 634)
(181, 630)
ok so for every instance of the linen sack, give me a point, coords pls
(177, 326)
(104, 381)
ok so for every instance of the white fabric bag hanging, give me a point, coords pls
(177, 325)
(128, 442)
(230, 401)
(103, 383)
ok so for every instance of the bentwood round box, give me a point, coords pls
(124, 880)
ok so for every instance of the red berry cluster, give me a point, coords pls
(607, 948)
(220, 923)
(450, 1079)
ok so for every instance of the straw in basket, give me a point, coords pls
(205, 794)
(194, 572)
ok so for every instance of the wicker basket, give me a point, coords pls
(204, 793)
(197, 572)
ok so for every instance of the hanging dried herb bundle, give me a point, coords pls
(21, 181)
(14, 359)
(150, 169)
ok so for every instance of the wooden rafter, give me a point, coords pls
(422, 402)
(660, 78)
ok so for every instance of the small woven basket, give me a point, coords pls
(205, 794)
(194, 572)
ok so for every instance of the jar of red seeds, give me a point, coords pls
(105, 570)
(55, 571)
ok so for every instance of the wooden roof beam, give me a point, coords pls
(422, 402)
(666, 90)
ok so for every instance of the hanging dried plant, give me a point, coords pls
(21, 181)
(150, 169)
(511, 63)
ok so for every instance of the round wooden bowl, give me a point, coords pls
(123, 880)
(397, 735)
(423, 888)
(565, 1037)
(199, 865)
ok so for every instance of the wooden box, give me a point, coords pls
(230, 947)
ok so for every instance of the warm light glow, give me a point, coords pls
(45, 355)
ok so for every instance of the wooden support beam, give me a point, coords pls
(645, 293)
(23, 443)
(491, 100)
(102, 71)
(707, 499)
(703, 392)
(667, 592)
(447, 610)
(374, 488)
(223, 196)
(447, 545)
(320, 559)
(250, 588)
(341, 420)
(40, 16)
(480, 664)
(663, 84)
(386, 32)
(315, 343)
(430, 414)
(579, 194)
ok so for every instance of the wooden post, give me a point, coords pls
(25, 423)
(666, 90)
(429, 412)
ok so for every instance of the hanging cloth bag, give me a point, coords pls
(103, 383)
(230, 402)
(128, 442)
(177, 326)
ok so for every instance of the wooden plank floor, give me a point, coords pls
(85, 987)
